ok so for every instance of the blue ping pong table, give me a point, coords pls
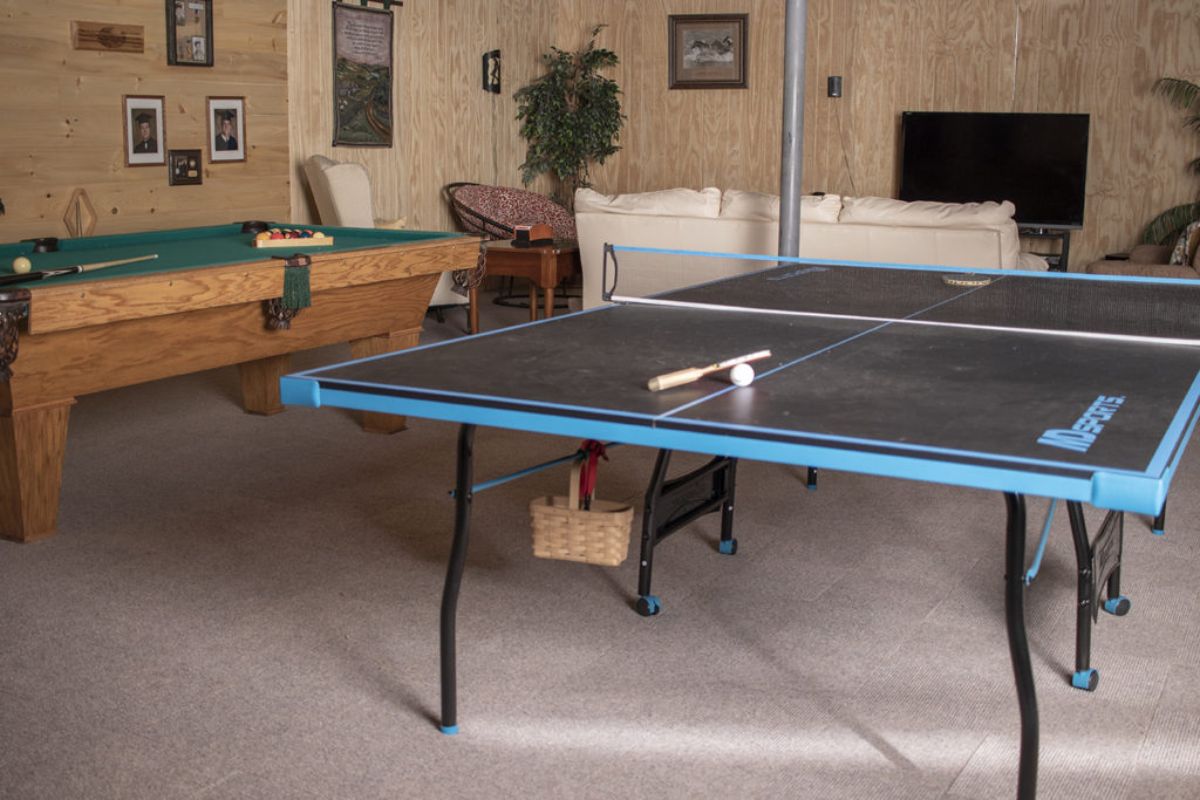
(1083, 388)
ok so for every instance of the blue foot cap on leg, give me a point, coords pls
(649, 605)
(1158, 531)
(1086, 680)
(728, 546)
(1118, 606)
(449, 730)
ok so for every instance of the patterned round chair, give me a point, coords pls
(492, 211)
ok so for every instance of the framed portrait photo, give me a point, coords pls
(707, 51)
(144, 129)
(190, 33)
(226, 129)
(183, 168)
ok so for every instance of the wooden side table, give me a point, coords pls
(544, 267)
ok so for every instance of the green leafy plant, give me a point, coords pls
(571, 117)
(1167, 226)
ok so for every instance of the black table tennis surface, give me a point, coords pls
(1076, 387)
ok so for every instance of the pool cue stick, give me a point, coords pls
(682, 376)
(72, 270)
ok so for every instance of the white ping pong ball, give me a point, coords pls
(21, 265)
(741, 375)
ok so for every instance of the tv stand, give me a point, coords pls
(1058, 261)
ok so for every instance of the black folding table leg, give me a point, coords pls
(1159, 526)
(726, 485)
(1084, 677)
(1116, 603)
(1018, 645)
(648, 605)
(458, 560)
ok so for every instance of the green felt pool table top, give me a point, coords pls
(191, 248)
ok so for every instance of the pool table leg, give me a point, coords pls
(260, 379)
(33, 442)
(260, 384)
(372, 421)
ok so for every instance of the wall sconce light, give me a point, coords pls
(491, 71)
(834, 86)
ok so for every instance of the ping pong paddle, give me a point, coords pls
(682, 376)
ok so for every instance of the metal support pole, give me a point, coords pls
(792, 158)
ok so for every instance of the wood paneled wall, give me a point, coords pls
(62, 125)
(445, 128)
(1093, 56)
(1098, 57)
(62, 129)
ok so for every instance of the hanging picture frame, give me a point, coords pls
(362, 76)
(183, 168)
(707, 51)
(190, 33)
(226, 129)
(144, 130)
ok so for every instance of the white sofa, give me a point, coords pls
(874, 229)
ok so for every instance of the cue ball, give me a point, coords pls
(21, 265)
(741, 375)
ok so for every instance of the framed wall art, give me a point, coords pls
(190, 33)
(184, 168)
(226, 129)
(362, 76)
(707, 51)
(144, 130)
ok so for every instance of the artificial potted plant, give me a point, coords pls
(571, 117)
(1167, 226)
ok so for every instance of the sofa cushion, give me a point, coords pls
(924, 213)
(738, 204)
(1141, 270)
(665, 203)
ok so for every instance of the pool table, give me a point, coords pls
(210, 298)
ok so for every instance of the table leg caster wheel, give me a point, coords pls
(1086, 679)
(728, 546)
(649, 605)
(1118, 606)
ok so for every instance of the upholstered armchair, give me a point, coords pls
(342, 191)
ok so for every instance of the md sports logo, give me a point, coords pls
(1082, 435)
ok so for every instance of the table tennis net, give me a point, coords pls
(1060, 303)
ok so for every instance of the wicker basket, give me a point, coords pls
(562, 530)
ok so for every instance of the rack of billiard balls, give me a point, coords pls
(291, 237)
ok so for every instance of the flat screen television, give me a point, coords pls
(1038, 161)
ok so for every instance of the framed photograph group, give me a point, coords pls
(226, 129)
(707, 51)
(190, 33)
(144, 130)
